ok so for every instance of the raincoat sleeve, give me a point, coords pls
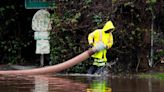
(91, 38)
(110, 42)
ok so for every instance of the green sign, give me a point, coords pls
(41, 35)
(38, 4)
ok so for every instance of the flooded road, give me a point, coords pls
(71, 83)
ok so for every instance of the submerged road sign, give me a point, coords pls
(38, 4)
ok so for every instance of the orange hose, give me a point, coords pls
(52, 69)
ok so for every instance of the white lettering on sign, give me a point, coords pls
(41, 21)
(42, 47)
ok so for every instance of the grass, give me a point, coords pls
(153, 75)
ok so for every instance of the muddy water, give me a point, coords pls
(42, 83)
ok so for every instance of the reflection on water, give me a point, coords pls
(39, 83)
(43, 83)
(99, 84)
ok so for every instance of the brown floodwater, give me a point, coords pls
(79, 83)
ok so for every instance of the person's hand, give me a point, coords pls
(90, 45)
(99, 46)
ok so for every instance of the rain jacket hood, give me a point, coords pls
(109, 25)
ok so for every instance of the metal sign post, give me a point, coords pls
(41, 23)
(42, 60)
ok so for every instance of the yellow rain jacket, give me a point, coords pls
(100, 35)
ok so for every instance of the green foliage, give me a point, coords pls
(11, 49)
(158, 55)
(98, 18)
(151, 1)
(12, 33)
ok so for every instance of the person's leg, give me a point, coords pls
(92, 69)
(100, 66)
(102, 70)
(99, 70)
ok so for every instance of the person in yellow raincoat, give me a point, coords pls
(101, 40)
